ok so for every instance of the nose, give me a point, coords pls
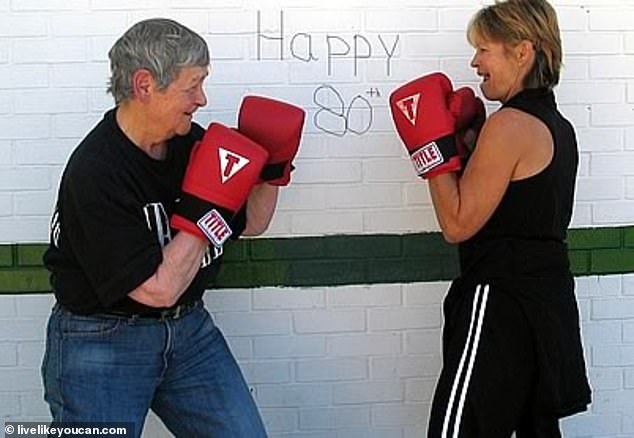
(474, 60)
(201, 97)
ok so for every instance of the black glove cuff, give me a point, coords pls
(274, 171)
(193, 208)
(433, 154)
(446, 145)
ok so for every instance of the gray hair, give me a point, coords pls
(159, 45)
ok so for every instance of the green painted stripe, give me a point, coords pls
(595, 238)
(24, 280)
(29, 255)
(612, 261)
(629, 237)
(342, 260)
(6, 256)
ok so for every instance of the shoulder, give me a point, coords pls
(94, 161)
(517, 141)
(508, 121)
(96, 150)
(512, 127)
(512, 124)
(86, 159)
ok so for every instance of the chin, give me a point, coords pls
(485, 91)
(489, 94)
(184, 129)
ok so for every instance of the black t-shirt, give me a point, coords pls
(111, 221)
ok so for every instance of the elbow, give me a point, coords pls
(260, 209)
(151, 294)
(456, 234)
(165, 300)
(163, 297)
(252, 231)
(452, 238)
(256, 227)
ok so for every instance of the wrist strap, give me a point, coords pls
(274, 170)
(193, 208)
(434, 153)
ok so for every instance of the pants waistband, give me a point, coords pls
(161, 315)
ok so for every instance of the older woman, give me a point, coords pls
(129, 331)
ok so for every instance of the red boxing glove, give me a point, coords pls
(470, 114)
(222, 168)
(426, 125)
(276, 126)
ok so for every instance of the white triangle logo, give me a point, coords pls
(409, 107)
(230, 163)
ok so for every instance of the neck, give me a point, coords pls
(136, 126)
(515, 89)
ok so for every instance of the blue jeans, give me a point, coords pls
(114, 369)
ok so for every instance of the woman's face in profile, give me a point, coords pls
(498, 67)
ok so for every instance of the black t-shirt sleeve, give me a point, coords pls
(107, 232)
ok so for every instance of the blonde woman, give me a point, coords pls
(512, 353)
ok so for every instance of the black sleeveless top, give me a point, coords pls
(521, 252)
(540, 206)
(535, 212)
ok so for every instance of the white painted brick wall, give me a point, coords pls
(324, 362)
(53, 71)
(347, 361)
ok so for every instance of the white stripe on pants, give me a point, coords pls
(469, 353)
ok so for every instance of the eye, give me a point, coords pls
(192, 90)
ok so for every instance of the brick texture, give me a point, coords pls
(350, 346)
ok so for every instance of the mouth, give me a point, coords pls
(485, 76)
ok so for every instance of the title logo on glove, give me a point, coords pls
(409, 107)
(215, 227)
(230, 163)
(426, 158)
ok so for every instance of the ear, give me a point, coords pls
(142, 84)
(524, 52)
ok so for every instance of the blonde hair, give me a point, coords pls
(512, 21)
